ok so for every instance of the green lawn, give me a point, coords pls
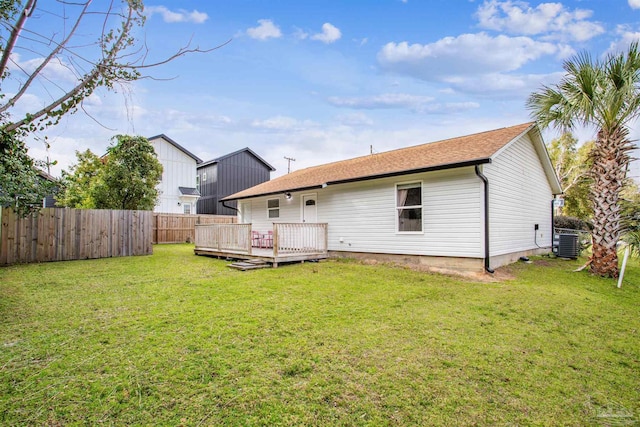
(176, 339)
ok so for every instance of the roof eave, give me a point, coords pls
(271, 193)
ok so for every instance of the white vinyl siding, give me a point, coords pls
(519, 197)
(179, 170)
(364, 215)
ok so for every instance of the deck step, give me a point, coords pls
(251, 264)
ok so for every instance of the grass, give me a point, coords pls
(175, 339)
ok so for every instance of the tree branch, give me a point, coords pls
(44, 63)
(13, 38)
(87, 84)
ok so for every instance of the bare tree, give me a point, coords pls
(116, 56)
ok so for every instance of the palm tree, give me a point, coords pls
(604, 94)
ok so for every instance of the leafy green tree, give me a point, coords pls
(129, 176)
(631, 216)
(125, 178)
(604, 94)
(55, 34)
(20, 184)
(572, 165)
(77, 184)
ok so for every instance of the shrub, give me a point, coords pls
(570, 222)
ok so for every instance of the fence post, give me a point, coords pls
(276, 239)
(218, 236)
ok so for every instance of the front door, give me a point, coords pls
(245, 213)
(309, 208)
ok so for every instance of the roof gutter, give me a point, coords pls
(271, 193)
(229, 207)
(370, 177)
(487, 252)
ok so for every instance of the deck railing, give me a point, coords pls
(299, 238)
(288, 238)
(224, 237)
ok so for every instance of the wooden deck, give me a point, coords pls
(291, 242)
(265, 255)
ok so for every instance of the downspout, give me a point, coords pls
(485, 181)
(553, 220)
(230, 207)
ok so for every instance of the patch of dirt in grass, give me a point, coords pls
(500, 274)
(542, 262)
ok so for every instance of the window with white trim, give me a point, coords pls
(198, 183)
(187, 208)
(409, 207)
(273, 208)
(204, 176)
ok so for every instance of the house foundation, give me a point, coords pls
(442, 264)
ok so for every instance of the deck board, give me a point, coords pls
(265, 255)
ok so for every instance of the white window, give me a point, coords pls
(409, 207)
(273, 208)
(198, 183)
(204, 176)
(187, 208)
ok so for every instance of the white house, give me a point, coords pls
(469, 203)
(178, 188)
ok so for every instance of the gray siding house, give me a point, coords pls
(229, 174)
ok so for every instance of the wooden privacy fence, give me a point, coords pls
(61, 234)
(180, 228)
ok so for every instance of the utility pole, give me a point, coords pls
(289, 160)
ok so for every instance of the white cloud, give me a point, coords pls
(55, 70)
(420, 104)
(634, 4)
(355, 119)
(300, 34)
(180, 15)
(549, 19)
(627, 36)
(465, 54)
(266, 30)
(516, 86)
(387, 100)
(282, 123)
(328, 35)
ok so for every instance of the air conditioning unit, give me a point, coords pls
(567, 246)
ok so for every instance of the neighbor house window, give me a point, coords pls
(273, 208)
(198, 183)
(187, 208)
(204, 176)
(409, 207)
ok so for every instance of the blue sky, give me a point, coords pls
(327, 80)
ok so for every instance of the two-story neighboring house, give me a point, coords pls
(178, 188)
(227, 175)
